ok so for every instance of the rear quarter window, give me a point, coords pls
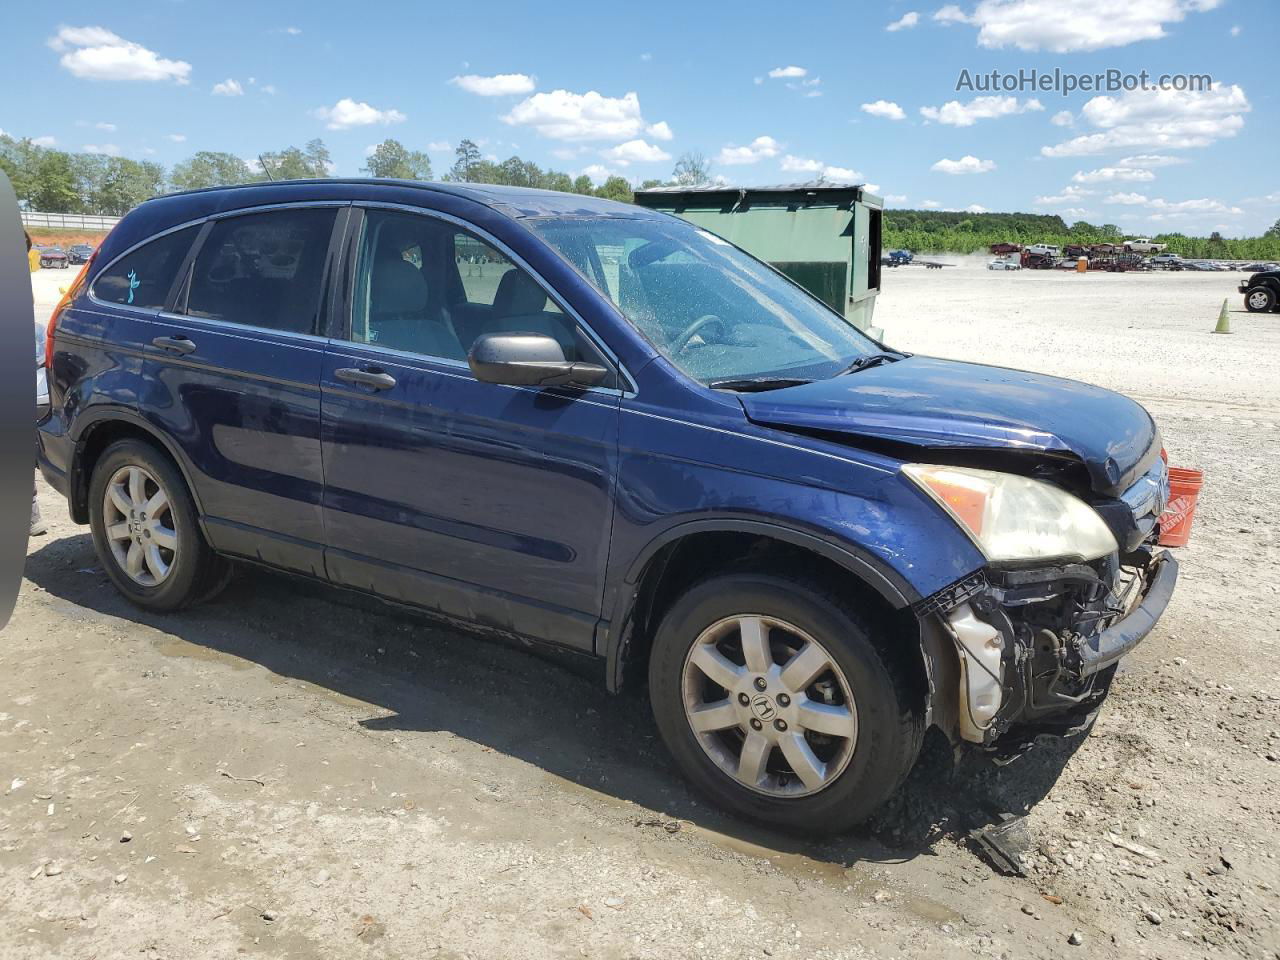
(144, 277)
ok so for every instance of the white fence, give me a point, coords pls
(67, 221)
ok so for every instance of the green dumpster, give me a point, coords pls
(825, 238)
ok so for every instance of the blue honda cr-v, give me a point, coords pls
(562, 418)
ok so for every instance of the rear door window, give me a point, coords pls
(144, 277)
(264, 270)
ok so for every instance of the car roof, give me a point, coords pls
(515, 202)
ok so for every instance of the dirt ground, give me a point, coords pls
(292, 772)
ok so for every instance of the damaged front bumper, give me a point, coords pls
(1034, 647)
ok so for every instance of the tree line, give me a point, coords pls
(945, 231)
(57, 181)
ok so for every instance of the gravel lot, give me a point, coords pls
(289, 772)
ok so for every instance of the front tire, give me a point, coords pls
(775, 702)
(1260, 300)
(146, 532)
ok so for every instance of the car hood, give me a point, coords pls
(945, 404)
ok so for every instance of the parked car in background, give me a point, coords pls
(1143, 245)
(53, 257)
(1260, 267)
(80, 253)
(1001, 263)
(1262, 291)
(624, 436)
(1044, 250)
(1169, 261)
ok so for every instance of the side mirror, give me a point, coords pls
(529, 360)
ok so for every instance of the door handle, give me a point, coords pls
(176, 344)
(373, 377)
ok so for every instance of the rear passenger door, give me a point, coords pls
(485, 502)
(233, 377)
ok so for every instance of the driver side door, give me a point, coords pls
(483, 502)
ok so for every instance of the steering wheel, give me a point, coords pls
(687, 334)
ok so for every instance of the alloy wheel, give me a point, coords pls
(769, 705)
(138, 519)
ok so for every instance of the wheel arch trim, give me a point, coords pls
(897, 592)
(87, 425)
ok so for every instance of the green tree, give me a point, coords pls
(120, 184)
(466, 157)
(391, 158)
(615, 188)
(293, 163)
(56, 185)
(210, 169)
(582, 184)
(692, 169)
(555, 180)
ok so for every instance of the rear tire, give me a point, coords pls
(794, 776)
(1260, 300)
(159, 559)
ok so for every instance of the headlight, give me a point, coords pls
(1015, 518)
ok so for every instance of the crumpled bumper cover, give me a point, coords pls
(1108, 646)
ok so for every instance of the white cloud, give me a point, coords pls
(1113, 174)
(871, 187)
(635, 151)
(905, 22)
(951, 13)
(95, 53)
(1172, 208)
(499, 85)
(1063, 118)
(1035, 25)
(293, 31)
(957, 114)
(109, 149)
(1235, 31)
(794, 164)
(646, 57)
(930, 205)
(1150, 160)
(598, 172)
(176, 137)
(269, 88)
(976, 208)
(884, 108)
(228, 88)
(895, 198)
(757, 150)
(659, 130)
(1128, 199)
(1163, 119)
(966, 164)
(347, 113)
(841, 175)
(439, 146)
(45, 141)
(562, 115)
(1068, 195)
(788, 72)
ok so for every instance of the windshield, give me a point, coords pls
(712, 310)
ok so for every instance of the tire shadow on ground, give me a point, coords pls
(540, 704)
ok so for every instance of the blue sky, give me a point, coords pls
(854, 90)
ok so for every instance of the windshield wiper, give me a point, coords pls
(756, 384)
(872, 360)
